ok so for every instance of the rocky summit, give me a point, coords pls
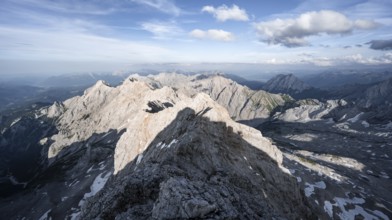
(138, 151)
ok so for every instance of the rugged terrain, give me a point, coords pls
(139, 151)
(166, 146)
(342, 163)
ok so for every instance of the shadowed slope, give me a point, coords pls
(198, 168)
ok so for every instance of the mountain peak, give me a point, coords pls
(286, 83)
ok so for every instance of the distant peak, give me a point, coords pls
(285, 83)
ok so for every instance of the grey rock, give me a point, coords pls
(285, 84)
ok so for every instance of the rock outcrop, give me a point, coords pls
(312, 109)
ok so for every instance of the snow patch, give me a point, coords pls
(139, 159)
(46, 216)
(73, 183)
(15, 182)
(384, 175)
(89, 170)
(328, 208)
(350, 214)
(97, 185)
(163, 145)
(379, 214)
(172, 142)
(15, 121)
(309, 190)
(355, 118)
(365, 124)
(389, 125)
(102, 166)
(329, 121)
(75, 216)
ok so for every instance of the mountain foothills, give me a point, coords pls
(178, 146)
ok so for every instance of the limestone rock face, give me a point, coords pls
(102, 108)
(241, 102)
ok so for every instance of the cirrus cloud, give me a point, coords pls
(165, 6)
(224, 13)
(161, 30)
(212, 34)
(293, 32)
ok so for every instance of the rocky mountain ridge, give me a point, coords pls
(123, 150)
(160, 147)
(242, 103)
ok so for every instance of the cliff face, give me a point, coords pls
(163, 153)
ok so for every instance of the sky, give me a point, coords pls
(76, 35)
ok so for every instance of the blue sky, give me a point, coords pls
(277, 32)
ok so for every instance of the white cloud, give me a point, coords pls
(166, 6)
(212, 34)
(224, 13)
(323, 61)
(162, 30)
(359, 58)
(293, 32)
(365, 24)
(38, 44)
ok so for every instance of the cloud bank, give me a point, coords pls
(224, 13)
(212, 34)
(381, 44)
(293, 32)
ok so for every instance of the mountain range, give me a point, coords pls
(179, 146)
